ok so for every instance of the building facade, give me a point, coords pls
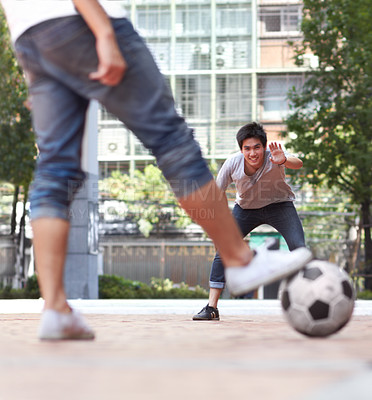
(228, 62)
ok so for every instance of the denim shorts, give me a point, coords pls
(57, 57)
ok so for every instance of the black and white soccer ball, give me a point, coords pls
(319, 299)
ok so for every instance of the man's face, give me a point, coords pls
(253, 152)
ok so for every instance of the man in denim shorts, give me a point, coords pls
(76, 50)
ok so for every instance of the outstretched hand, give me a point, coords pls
(277, 153)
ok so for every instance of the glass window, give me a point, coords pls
(233, 96)
(233, 102)
(193, 21)
(193, 96)
(275, 20)
(161, 52)
(272, 95)
(225, 142)
(153, 21)
(233, 21)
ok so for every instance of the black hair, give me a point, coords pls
(251, 130)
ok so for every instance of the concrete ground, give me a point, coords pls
(148, 349)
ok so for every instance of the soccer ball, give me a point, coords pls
(318, 300)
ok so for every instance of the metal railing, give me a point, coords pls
(179, 261)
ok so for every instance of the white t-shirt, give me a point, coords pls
(23, 14)
(266, 186)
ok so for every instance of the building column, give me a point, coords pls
(81, 269)
(255, 64)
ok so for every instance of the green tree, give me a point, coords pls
(148, 198)
(331, 122)
(17, 150)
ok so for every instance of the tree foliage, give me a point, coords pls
(17, 150)
(331, 122)
(147, 197)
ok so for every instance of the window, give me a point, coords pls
(153, 21)
(233, 96)
(276, 20)
(193, 96)
(161, 52)
(193, 21)
(233, 21)
(272, 95)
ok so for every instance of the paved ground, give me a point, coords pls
(153, 350)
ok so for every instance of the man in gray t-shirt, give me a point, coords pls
(262, 197)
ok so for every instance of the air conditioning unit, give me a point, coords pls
(201, 48)
(112, 147)
(220, 49)
(220, 62)
(310, 60)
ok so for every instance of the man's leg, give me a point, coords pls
(247, 220)
(59, 120)
(284, 218)
(50, 244)
(58, 320)
(208, 207)
(210, 311)
(214, 296)
(216, 287)
(59, 133)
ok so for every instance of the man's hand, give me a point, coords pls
(277, 153)
(111, 64)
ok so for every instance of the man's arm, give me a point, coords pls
(278, 157)
(111, 64)
(224, 179)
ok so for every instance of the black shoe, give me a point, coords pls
(207, 314)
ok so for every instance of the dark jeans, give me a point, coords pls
(281, 216)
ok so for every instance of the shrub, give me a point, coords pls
(8, 293)
(117, 287)
(32, 290)
(365, 295)
(165, 289)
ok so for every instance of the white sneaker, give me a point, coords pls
(267, 266)
(60, 326)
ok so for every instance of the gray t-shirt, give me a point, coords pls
(266, 186)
